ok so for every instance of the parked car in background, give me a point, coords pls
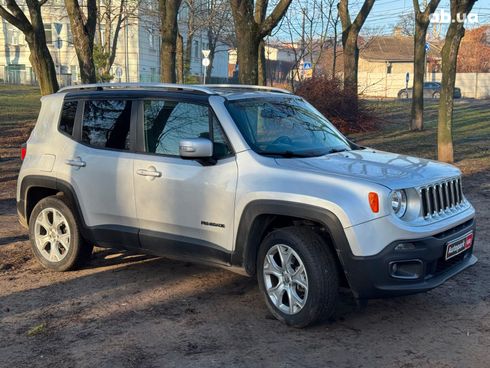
(431, 90)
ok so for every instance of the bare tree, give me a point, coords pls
(422, 20)
(83, 27)
(168, 10)
(450, 50)
(111, 19)
(252, 24)
(33, 30)
(308, 25)
(350, 35)
(406, 24)
(218, 25)
(192, 9)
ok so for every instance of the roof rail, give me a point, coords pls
(245, 86)
(203, 88)
(186, 87)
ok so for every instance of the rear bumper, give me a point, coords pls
(370, 277)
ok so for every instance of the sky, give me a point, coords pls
(385, 13)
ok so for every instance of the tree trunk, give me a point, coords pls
(450, 51)
(168, 31)
(351, 61)
(180, 59)
(262, 65)
(422, 20)
(251, 26)
(43, 65)
(350, 33)
(40, 57)
(247, 54)
(33, 30)
(417, 122)
(83, 29)
(334, 56)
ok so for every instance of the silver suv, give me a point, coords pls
(253, 179)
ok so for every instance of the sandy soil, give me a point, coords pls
(128, 310)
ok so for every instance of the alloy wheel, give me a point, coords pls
(52, 235)
(285, 279)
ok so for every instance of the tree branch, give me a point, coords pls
(16, 16)
(271, 21)
(363, 14)
(12, 20)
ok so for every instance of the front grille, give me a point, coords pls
(442, 197)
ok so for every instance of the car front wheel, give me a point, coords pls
(298, 276)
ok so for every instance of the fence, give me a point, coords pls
(473, 85)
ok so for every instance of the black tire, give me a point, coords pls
(321, 271)
(436, 95)
(78, 250)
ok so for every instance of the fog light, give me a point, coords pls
(405, 246)
(409, 270)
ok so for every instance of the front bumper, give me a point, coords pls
(370, 277)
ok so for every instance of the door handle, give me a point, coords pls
(77, 162)
(152, 173)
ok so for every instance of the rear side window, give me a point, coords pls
(106, 123)
(67, 120)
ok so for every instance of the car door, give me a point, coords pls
(184, 207)
(99, 167)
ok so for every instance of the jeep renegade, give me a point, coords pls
(250, 178)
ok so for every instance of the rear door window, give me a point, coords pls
(106, 124)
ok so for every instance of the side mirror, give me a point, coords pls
(196, 148)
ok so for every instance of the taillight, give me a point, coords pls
(23, 151)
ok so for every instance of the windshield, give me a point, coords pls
(286, 126)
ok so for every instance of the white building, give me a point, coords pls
(137, 57)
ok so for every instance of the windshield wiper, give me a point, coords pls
(337, 150)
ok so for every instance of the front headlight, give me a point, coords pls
(398, 202)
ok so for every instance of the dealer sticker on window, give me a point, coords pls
(457, 246)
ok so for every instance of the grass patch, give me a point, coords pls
(18, 103)
(36, 330)
(471, 132)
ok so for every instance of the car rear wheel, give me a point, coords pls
(436, 95)
(55, 238)
(298, 276)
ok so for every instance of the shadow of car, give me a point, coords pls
(431, 90)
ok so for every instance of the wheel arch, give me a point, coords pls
(259, 217)
(36, 187)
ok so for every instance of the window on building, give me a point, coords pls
(48, 30)
(196, 49)
(106, 123)
(13, 36)
(151, 39)
(74, 74)
(67, 120)
(69, 34)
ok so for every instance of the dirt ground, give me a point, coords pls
(128, 310)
